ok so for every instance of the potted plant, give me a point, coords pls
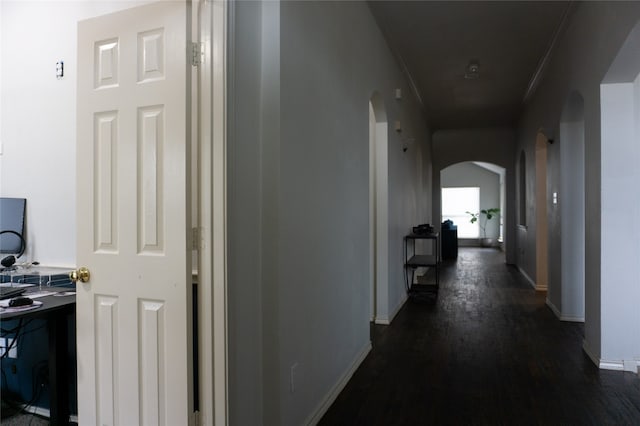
(487, 214)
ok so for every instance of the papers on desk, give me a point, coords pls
(16, 285)
(6, 309)
(65, 293)
(37, 294)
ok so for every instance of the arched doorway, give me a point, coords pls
(473, 186)
(378, 211)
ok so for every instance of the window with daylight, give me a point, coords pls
(456, 202)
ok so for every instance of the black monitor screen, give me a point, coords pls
(11, 219)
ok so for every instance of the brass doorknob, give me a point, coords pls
(80, 274)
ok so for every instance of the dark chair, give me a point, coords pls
(449, 233)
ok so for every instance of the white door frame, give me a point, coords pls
(212, 233)
(372, 215)
(542, 253)
(379, 211)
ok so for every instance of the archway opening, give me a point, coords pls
(474, 186)
(522, 190)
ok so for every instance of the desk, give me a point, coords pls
(55, 310)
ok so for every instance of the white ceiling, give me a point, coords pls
(436, 40)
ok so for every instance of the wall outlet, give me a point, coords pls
(6, 342)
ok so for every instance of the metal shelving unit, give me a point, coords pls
(413, 260)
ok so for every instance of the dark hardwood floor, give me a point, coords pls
(485, 351)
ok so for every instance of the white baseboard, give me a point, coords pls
(387, 321)
(39, 411)
(611, 365)
(44, 412)
(326, 402)
(590, 354)
(632, 366)
(571, 319)
(527, 277)
(561, 317)
(553, 308)
(537, 287)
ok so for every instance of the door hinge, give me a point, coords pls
(197, 53)
(195, 238)
(196, 418)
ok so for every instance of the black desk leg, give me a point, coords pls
(58, 374)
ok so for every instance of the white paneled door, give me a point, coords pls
(133, 328)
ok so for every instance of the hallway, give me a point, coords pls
(486, 351)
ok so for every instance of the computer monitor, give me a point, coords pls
(12, 211)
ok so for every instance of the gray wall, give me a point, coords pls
(245, 237)
(299, 285)
(468, 174)
(298, 184)
(579, 63)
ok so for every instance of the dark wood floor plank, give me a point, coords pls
(485, 351)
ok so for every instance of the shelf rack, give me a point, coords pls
(413, 260)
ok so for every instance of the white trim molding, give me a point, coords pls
(541, 287)
(553, 308)
(527, 277)
(387, 321)
(537, 287)
(571, 319)
(559, 315)
(632, 366)
(212, 32)
(333, 393)
(43, 412)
